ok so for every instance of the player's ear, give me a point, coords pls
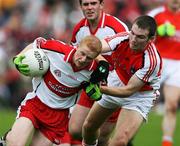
(152, 38)
(77, 45)
(102, 4)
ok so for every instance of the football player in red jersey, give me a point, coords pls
(95, 22)
(133, 85)
(168, 43)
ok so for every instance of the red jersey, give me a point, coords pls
(146, 65)
(108, 25)
(169, 47)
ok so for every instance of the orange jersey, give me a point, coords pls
(169, 47)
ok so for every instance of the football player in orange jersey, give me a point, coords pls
(168, 43)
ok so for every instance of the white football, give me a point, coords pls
(37, 61)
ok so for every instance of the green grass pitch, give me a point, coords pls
(148, 135)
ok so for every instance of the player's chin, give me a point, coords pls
(80, 64)
(90, 16)
(133, 46)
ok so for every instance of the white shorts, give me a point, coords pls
(171, 72)
(141, 102)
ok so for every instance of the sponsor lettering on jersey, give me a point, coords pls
(57, 73)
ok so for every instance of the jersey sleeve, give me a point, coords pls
(51, 45)
(156, 11)
(75, 40)
(116, 24)
(152, 67)
(116, 40)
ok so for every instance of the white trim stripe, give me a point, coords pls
(86, 22)
(69, 55)
(103, 19)
(156, 11)
(154, 58)
(122, 23)
(145, 78)
(153, 62)
(115, 40)
(92, 64)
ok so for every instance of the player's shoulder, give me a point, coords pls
(120, 35)
(77, 28)
(152, 51)
(115, 23)
(54, 45)
(80, 24)
(156, 11)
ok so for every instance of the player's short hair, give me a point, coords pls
(93, 43)
(147, 22)
(80, 1)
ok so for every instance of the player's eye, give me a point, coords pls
(138, 36)
(85, 4)
(93, 3)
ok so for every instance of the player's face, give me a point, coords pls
(174, 5)
(138, 38)
(91, 9)
(84, 56)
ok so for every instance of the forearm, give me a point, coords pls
(105, 46)
(99, 58)
(116, 91)
(133, 86)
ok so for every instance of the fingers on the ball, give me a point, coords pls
(24, 69)
(23, 66)
(22, 57)
(24, 73)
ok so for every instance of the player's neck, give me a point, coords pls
(94, 23)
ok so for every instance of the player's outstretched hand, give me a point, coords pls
(101, 72)
(22, 68)
(93, 91)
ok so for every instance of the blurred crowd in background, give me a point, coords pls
(21, 21)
